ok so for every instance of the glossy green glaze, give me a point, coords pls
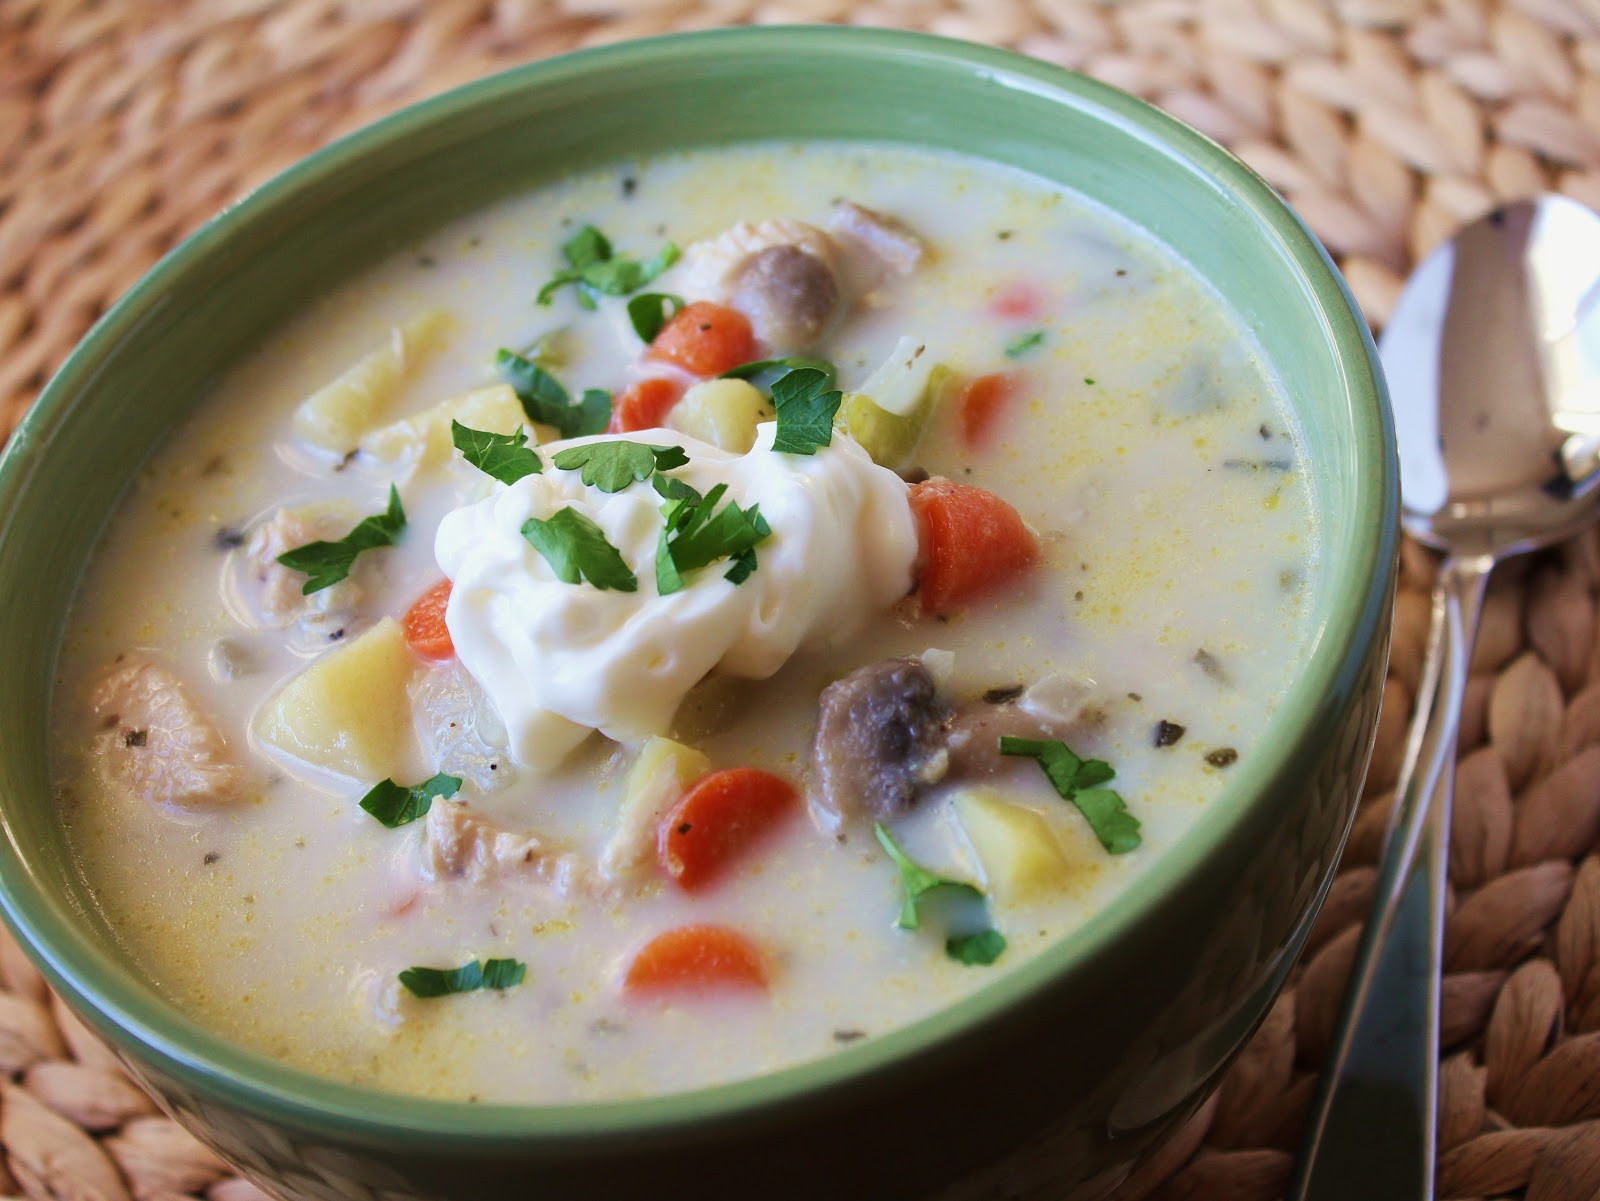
(1083, 1055)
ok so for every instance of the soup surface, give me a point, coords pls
(498, 839)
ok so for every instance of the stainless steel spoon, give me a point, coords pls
(1493, 363)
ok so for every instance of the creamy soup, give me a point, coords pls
(482, 697)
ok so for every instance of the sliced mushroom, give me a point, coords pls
(790, 296)
(879, 741)
(154, 742)
(884, 735)
(711, 266)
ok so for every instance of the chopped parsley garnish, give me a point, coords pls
(545, 401)
(576, 549)
(612, 466)
(697, 533)
(326, 563)
(917, 881)
(1077, 780)
(788, 362)
(596, 268)
(649, 311)
(396, 805)
(429, 982)
(806, 408)
(507, 457)
(975, 950)
(1023, 343)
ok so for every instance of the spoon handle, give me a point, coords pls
(1371, 1129)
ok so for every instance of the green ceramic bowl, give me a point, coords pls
(1063, 1070)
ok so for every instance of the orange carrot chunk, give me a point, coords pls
(972, 540)
(720, 816)
(705, 338)
(693, 959)
(644, 405)
(981, 402)
(426, 633)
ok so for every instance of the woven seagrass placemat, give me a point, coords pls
(1387, 123)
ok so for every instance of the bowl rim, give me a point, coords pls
(126, 1010)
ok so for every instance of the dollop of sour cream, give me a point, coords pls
(561, 660)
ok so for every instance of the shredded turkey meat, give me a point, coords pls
(274, 591)
(461, 844)
(154, 742)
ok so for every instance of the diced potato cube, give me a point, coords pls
(348, 712)
(336, 415)
(890, 438)
(723, 412)
(422, 441)
(1019, 854)
(659, 776)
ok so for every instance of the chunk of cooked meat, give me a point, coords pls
(1051, 707)
(790, 296)
(880, 739)
(891, 242)
(274, 591)
(461, 844)
(154, 742)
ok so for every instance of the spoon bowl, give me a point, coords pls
(1493, 358)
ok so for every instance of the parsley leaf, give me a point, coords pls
(396, 805)
(1023, 343)
(806, 408)
(428, 982)
(545, 401)
(326, 563)
(788, 362)
(586, 246)
(1077, 780)
(916, 880)
(595, 268)
(612, 466)
(648, 312)
(975, 950)
(576, 549)
(697, 533)
(507, 457)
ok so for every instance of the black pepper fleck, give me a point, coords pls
(135, 737)
(210, 857)
(1222, 756)
(336, 635)
(1168, 732)
(848, 1036)
(427, 260)
(1002, 696)
(228, 538)
(630, 185)
(1207, 662)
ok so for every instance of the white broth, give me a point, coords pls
(1139, 435)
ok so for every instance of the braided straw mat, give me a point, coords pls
(1387, 123)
